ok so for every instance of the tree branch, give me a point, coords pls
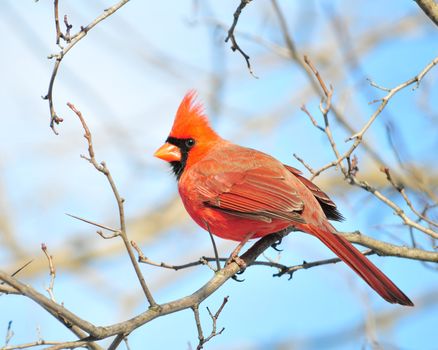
(72, 41)
(388, 249)
(95, 333)
(231, 36)
(122, 231)
(430, 8)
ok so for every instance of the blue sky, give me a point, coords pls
(127, 77)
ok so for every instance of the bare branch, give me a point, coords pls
(59, 34)
(201, 338)
(400, 188)
(201, 294)
(388, 249)
(417, 79)
(52, 270)
(116, 232)
(55, 345)
(397, 210)
(379, 247)
(301, 160)
(294, 55)
(324, 107)
(72, 41)
(104, 170)
(96, 333)
(202, 261)
(318, 76)
(357, 137)
(214, 318)
(312, 119)
(307, 265)
(231, 35)
(69, 345)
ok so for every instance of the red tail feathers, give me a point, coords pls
(361, 265)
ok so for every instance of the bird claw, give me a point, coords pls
(238, 260)
(234, 277)
(241, 263)
(276, 244)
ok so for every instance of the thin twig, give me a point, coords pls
(417, 79)
(312, 119)
(397, 210)
(72, 41)
(307, 265)
(59, 34)
(214, 318)
(324, 107)
(8, 289)
(36, 343)
(302, 161)
(68, 27)
(52, 270)
(317, 75)
(231, 35)
(195, 309)
(104, 170)
(116, 232)
(294, 55)
(70, 345)
(357, 137)
(201, 261)
(401, 189)
(9, 333)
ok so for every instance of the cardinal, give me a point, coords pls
(239, 193)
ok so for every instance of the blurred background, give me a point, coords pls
(127, 77)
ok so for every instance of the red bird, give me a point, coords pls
(239, 193)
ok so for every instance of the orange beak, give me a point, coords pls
(168, 152)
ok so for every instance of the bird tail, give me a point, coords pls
(361, 265)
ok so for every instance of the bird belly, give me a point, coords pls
(232, 227)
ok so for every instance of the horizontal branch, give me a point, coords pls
(96, 332)
(388, 249)
(249, 257)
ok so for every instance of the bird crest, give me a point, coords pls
(190, 120)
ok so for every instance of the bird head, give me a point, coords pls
(190, 138)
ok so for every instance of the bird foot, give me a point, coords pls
(242, 264)
(276, 244)
(237, 279)
(238, 260)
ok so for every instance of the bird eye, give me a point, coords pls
(190, 143)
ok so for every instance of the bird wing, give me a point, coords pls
(327, 205)
(260, 193)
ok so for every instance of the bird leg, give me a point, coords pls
(216, 255)
(234, 257)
